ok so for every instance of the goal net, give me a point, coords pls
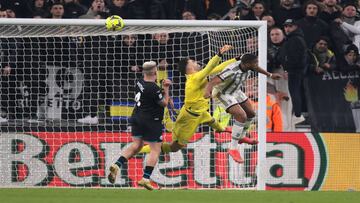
(68, 91)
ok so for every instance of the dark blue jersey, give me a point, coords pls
(147, 100)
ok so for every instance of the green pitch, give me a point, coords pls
(40, 195)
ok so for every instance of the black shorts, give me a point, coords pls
(147, 129)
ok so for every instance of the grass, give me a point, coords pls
(49, 195)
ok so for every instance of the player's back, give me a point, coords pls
(147, 98)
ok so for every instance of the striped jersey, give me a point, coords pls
(233, 79)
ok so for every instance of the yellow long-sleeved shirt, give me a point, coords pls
(196, 83)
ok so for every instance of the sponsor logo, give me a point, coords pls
(294, 161)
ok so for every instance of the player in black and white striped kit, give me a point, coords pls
(227, 91)
(146, 122)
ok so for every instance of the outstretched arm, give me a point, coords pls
(222, 66)
(211, 64)
(274, 76)
(211, 84)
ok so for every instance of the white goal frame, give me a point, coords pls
(195, 24)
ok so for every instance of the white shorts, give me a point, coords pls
(229, 100)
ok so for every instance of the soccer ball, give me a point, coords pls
(114, 23)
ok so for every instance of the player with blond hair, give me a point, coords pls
(146, 121)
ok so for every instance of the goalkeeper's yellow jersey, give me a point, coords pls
(196, 83)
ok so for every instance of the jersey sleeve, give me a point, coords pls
(222, 66)
(225, 74)
(157, 94)
(208, 68)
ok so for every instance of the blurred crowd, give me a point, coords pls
(305, 37)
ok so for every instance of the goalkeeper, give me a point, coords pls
(195, 109)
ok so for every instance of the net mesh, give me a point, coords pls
(66, 103)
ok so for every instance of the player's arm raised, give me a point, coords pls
(212, 63)
(274, 76)
(165, 84)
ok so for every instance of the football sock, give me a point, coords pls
(121, 161)
(148, 171)
(236, 134)
(247, 124)
(216, 126)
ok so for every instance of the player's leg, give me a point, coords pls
(232, 106)
(154, 138)
(126, 154)
(151, 161)
(250, 114)
(206, 118)
(185, 126)
(240, 117)
(166, 147)
(137, 131)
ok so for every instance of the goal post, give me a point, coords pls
(65, 70)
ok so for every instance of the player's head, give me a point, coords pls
(149, 68)
(188, 66)
(248, 61)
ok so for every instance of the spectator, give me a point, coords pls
(324, 57)
(257, 11)
(214, 16)
(98, 75)
(351, 59)
(277, 38)
(345, 30)
(164, 50)
(274, 120)
(350, 24)
(119, 7)
(219, 7)
(232, 15)
(252, 45)
(269, 19)
(244, 10)
(146, 9)
(96, 10)
(40, 8)
(293, 56)
(313, 27)
(57, 11)
(247, 3)
(21, 8)
(3, 13)
(287, 10)
(10, 13)
(188, 15)
(174, 8)
(73, 9)
(331, 11)
(7, 78)
(279, 88)
(132, 53)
